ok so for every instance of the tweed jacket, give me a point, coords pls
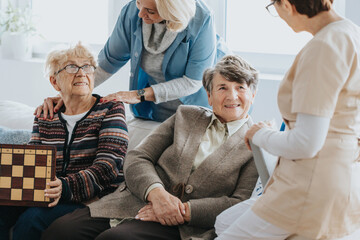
(166, 156)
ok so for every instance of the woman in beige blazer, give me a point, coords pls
(191, 168)
(315, 188)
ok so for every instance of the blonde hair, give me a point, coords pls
(177, 13)
(57, 58)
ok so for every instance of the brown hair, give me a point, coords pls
(234, 69)
(311, 7)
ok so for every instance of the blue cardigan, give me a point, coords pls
(194, 49)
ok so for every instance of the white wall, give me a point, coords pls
(265, 104)
(352, 10)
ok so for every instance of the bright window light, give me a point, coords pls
(250, 28)
(72, 21)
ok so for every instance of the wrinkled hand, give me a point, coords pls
(48, 107)
(54, 192)
(168, 209)
(254, 128)
(147, 214)
(129, 97)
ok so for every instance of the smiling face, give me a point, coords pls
(70, 84)
(230, 100)
(148, 11)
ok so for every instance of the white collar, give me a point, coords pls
(230, 127)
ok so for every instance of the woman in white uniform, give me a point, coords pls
(315, 188)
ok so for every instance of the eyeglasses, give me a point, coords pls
(271, 8)
(73, 69)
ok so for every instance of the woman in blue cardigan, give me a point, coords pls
(169, 45)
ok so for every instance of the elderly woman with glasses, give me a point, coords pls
(315, 188)
(91, 141)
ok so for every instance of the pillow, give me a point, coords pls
(16, 115)
(14, 136)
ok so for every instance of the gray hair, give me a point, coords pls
(234, 69)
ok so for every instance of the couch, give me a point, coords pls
(16, 120)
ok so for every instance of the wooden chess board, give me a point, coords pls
(24, 172)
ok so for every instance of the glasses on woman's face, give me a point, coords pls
(73, 69)
(271, 8)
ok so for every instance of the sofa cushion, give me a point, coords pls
(16, 115)
(14, 136)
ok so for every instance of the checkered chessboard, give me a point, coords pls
(24, 172)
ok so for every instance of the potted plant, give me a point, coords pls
(17, 29)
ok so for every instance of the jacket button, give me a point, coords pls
(136, 54)
(189, 189)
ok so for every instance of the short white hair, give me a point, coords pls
(58, 57)
(177, 13)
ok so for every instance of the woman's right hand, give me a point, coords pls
(54, 191)
(256, 127)
(48, 107)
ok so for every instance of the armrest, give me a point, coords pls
(264, 162)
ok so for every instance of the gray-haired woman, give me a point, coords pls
(188, 170)
(91, 141)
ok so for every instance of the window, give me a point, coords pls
(264, 40)
(251, 28)
(71, 21)
(89, 21)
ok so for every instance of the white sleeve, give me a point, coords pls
(101, 76)
(176, 88)
(303, 141)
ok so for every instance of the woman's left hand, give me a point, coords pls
(129, 97)
(251, 132)
(54, 192)
(147, 214)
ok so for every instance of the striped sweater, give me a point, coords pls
(91, 165)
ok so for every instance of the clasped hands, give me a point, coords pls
(164, 208)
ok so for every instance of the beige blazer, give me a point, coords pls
(319, 198)
(166, 156)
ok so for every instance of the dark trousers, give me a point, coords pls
(30, 222)
(80, 225)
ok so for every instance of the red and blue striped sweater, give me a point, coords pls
(91, 165)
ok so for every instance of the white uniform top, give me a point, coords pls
(319, 197)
